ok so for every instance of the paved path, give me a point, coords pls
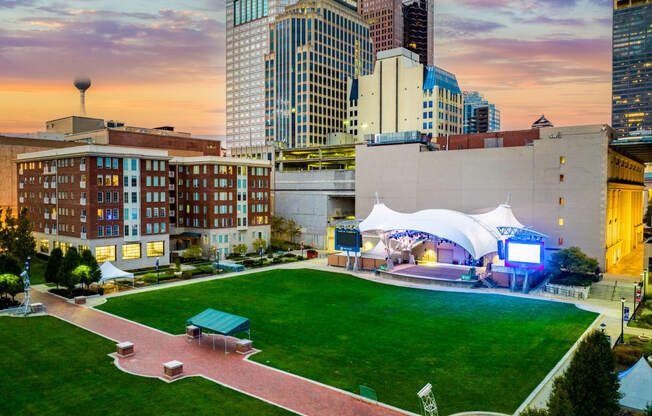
(154, 347)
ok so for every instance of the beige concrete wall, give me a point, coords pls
(378, 95)
(477, 180)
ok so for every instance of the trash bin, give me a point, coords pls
(100, 291)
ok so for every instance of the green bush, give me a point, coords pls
(149, 277)
(627, 354)
(206, 269)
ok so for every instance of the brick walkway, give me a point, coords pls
(153, 348)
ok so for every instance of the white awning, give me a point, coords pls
(636, 386)
(477, 234)
(110, 272)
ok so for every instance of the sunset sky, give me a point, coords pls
(162, 62)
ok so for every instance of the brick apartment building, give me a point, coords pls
(124, 203)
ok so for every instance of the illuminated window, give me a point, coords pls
(130, 251)
(155, 249)
(44, 247)
(561, 221)
(561, 178)
(104, 253)
(562, 160)
(561, 200)
(560, 241)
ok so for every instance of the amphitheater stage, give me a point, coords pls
(440, 274)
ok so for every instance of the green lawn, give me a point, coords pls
(480, 352)
(42, 374)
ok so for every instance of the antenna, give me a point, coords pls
(509, 198)
(82, 83)
(377, 199)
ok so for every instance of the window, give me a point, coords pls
(100, 214)
(561, 200)
(149, 228)
(100, 180)
(155, 248)
(562, 160)
(134, 164)
(116, 230)
(100, 162)
(104, 253)
(561, 221)
(100, 197)
(561, 178)
(130, 251)
(148, 181)
(115, 163)
(560, 241)
(148, 212)
(100, 231)
(116, 179)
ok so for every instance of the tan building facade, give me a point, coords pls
(567, 184)
(402, 95)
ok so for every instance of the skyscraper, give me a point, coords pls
(246, 44)
(314, 46)
(480, 116)
(401, 23)
(632, 66)
(418, 29)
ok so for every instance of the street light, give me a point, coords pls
(634, 311)
(603, 327)
(157, 271)
(622, 320)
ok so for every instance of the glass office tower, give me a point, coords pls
(632, 66)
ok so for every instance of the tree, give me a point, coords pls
(292, 230)
(94, 273)
(277, 226)
(24, 244)
(240, 249)
(259, 244)
(589, 387)
(534, 412)
(10, 284)
(70, 262)
(7, 230)
(81, 274)
(53, 266)
(9, 264)
(572, 266)
(648, 410)
(192, 253)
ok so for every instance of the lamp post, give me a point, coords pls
(622, 320)
(603, 326)
(157, 271)
(634, 311)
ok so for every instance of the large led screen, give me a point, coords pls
(527, 254)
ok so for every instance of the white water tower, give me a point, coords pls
(82, 83)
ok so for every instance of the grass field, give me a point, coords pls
(480, 352)
(50, 367)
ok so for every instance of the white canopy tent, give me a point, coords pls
(110, 272)
(477, 234)
(636, 386)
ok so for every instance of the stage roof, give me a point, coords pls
(477, 234)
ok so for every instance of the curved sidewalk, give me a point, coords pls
(154, 347)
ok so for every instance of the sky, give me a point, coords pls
(162, 62)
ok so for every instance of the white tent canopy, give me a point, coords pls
(477, 234)
(636, 386)
(110, 272)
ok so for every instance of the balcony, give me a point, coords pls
(21, 185)
(46, 200)
(171, 187)
(82, 201)
(172, 213)
(21, 199)
(46, 215)
(172, 200)
(170, 174)
(82, 184)
(82, 219)
(82, 167)
(82, 235)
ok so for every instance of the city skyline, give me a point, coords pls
(163, 63)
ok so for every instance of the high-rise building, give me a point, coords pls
(480, 116)
(314, 46)
(632, 66)
(401, 23)
(402, 95)
(247, 24)
(419, 29)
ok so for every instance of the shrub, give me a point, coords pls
(192, 253)
(627, 354)
(186, 275)
(10, 264)
(206, 269)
